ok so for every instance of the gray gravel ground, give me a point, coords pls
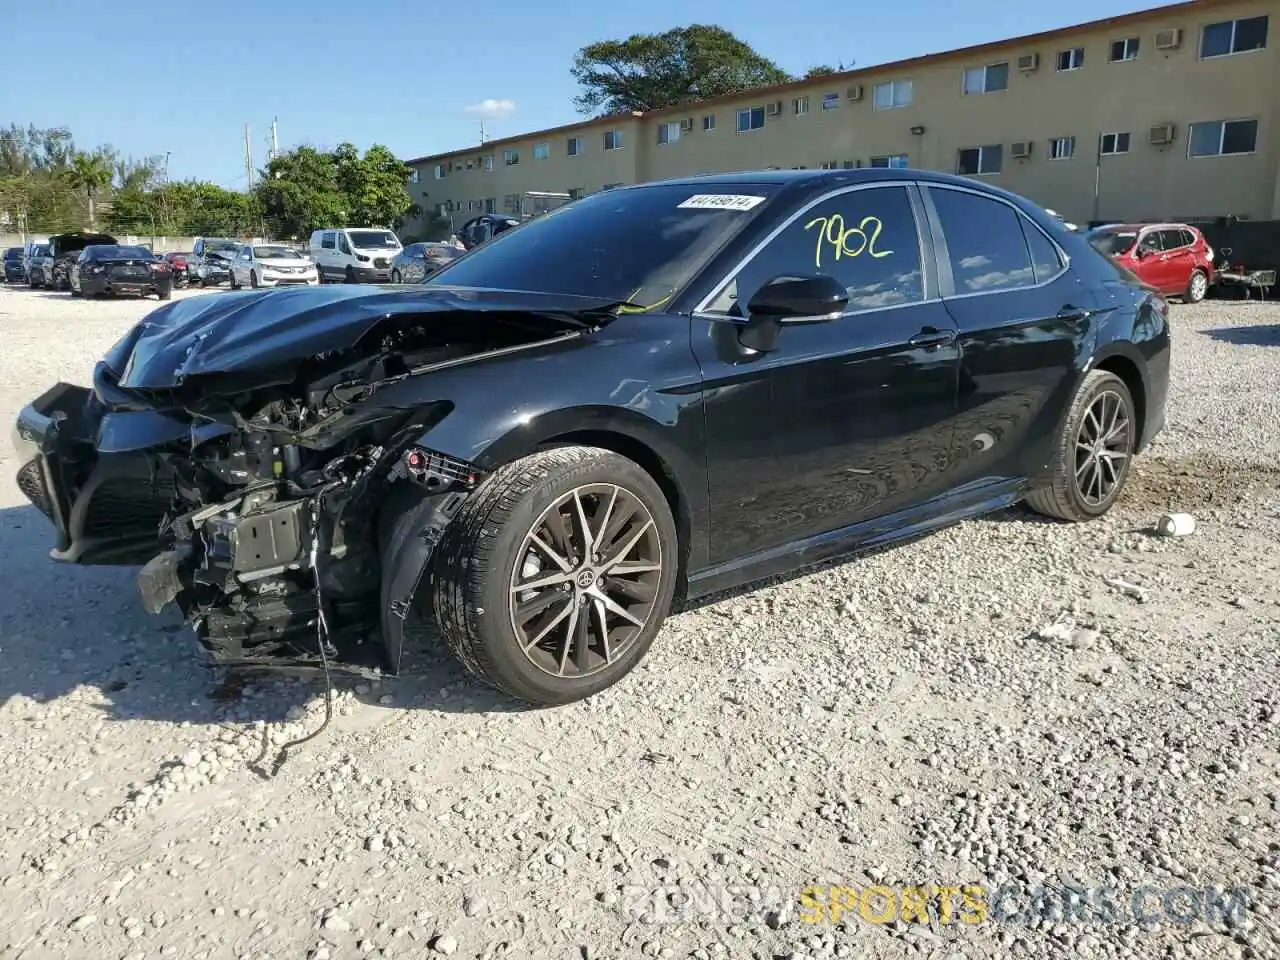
(1009, 700)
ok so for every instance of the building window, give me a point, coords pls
(800, 106)
(708, 123)
(899, 93)
(1072, 59)
(1233, 36)
(613, 139)
(669, 132)
(488, 164)
(895, 161)
(977, 161)
(575, 193)
(831, 101)
(989, 79)
(751, 118)
(575, 146)
(1062, 148)
(442, 209)
(541, 151)
(1124, 49)
(830, 164)
(851, 164)
(440, 171)
(510, 157)
(415, 176)
(1222, 138)
(1113, 143)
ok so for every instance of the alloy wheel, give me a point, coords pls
(1104, 444)
(1199, 285)
(586, 578)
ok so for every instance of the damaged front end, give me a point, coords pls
(275, 504)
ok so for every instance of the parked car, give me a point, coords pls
(350, 255)
(209, 263)
(39, 267)
(178, 265)
(1172, 257)
(418, 261)
(109, 270)
(15, 265)
(479, 229)
(64, 250)
(730, 378)
(271, 265)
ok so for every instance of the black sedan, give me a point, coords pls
(106, 270)
(733, 377)
(15, 265)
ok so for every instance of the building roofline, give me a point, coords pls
(1120, 20)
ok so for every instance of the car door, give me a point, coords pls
(1146, 255)
(326, 258)
(1177, 259)
(1026, 325)
(845, 420)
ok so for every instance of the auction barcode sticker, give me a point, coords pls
(721, 201)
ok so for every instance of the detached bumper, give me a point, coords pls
(105, 508)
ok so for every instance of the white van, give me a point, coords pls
(354, 254)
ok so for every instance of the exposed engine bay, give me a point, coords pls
(280, 504)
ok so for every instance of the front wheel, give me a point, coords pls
(1096, 446)
(253, 279)
(556, 575)
(395, 277)
(1197, 286)
(350, 276)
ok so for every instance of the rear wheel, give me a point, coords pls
(555, 577)
(1197, 286)
(1095, 449)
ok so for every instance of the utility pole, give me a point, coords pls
(248, 156)
(275, 137)
(482, 134)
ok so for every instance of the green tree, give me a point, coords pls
(299, 193)
(648, 71)
(375, 186)
(91, 173)
(822, 70)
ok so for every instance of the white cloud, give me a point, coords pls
(492, 109)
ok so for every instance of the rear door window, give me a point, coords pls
(985, 243)
(1046, 261)
(327, 241)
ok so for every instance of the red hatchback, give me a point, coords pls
(1172, 257)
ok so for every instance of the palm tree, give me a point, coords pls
(89, 172)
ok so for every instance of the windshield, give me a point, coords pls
(41, 251)
(13, 253)
(1113, 243)
(639, 245)
(218, 246)
(373, 239)
(276, 253)
(115, 252)
(442, 252)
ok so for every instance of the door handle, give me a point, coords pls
(1070, 314)
(932, 337)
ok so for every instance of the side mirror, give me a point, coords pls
(799, 300)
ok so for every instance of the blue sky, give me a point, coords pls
(405, 73)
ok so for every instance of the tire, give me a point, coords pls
(253, 279)
(1197, 286)
(473, 568)
(165, 294)
(75, 293)
(231, 280)
(395, 277)
(1064, 497)
(350, 276)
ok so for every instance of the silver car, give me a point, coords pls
(418, 261)
(271, 265)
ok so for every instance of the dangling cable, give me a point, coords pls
(322, 636)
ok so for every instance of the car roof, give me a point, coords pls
(1135, 227)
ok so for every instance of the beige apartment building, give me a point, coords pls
(1169, 113)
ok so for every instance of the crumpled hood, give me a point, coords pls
(268, 329)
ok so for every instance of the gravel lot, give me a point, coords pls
(1007, 700)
